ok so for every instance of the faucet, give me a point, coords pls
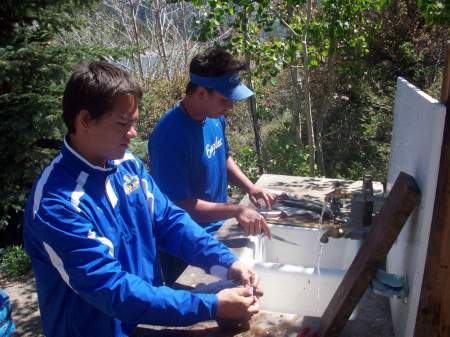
(358, 224)
(336, 232)
(333, 232)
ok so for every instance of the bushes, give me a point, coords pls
(160, 95)
(247, 160)
(13, 261)
(284, 156)
(281, 155)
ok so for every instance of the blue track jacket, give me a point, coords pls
(92, 235)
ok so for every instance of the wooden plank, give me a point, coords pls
(445, 91)
(433, 314)
(402, 200)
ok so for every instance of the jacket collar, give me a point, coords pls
(79, 163)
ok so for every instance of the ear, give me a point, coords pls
(201, 92)
(83, 120)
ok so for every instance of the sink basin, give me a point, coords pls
(299, 274)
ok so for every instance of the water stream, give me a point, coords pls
(320, 253)
(318, 275)
(261, 249)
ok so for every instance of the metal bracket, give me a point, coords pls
(390, 285)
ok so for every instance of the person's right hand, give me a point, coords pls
(252, 222)
(237, 303)
(248, 278)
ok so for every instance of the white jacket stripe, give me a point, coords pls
(40, 184)
(79, 190)
(57, 263)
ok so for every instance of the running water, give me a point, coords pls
(318, 275)
(260, 249)
(319, 230)
(319, 256)
(324, 206)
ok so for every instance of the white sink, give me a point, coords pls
(299, 275)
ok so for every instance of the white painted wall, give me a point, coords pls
(415, 149)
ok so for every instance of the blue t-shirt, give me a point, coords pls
(188, 159)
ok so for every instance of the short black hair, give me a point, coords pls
(213, 62)
(94, 86)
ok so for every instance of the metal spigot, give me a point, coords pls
(336, 232)
(357, 226)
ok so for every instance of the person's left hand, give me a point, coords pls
(248, 278)
(256, 193)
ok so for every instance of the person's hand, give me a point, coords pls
(236, 303)
(256, 193)
(247, 277)
(252, 222)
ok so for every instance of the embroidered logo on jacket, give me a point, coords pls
(211, 148)
(131, 183)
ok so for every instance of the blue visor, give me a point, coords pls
(229, 86)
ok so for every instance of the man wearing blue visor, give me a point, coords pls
(189, 157)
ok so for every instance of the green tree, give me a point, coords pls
(241, 26)
(34, 66)
(303, 35)
(435, 11)
(357, 131)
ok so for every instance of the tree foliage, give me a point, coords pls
(284, 34)
(356, 50)
(359, 126)
(435, 11)
(34, 66)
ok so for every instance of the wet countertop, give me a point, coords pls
(374, 315)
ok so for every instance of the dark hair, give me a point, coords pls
(94, 86)
(213, 62)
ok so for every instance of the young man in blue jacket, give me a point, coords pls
(189, 157)
(95, 218)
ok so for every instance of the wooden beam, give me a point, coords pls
(433, 315)
(401, 201)
(445, 91)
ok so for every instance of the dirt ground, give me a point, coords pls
(25, 311)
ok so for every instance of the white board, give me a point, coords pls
(415, 149)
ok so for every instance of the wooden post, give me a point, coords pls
(433, 315)
(445, 92)
(401, 201)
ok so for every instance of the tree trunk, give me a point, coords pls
(185, 35)
(308, 114)
(136, 37)
(252, 101)
(296, 129)
(160, 39)
(255, 120)
(327, 102)
(320, 152)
